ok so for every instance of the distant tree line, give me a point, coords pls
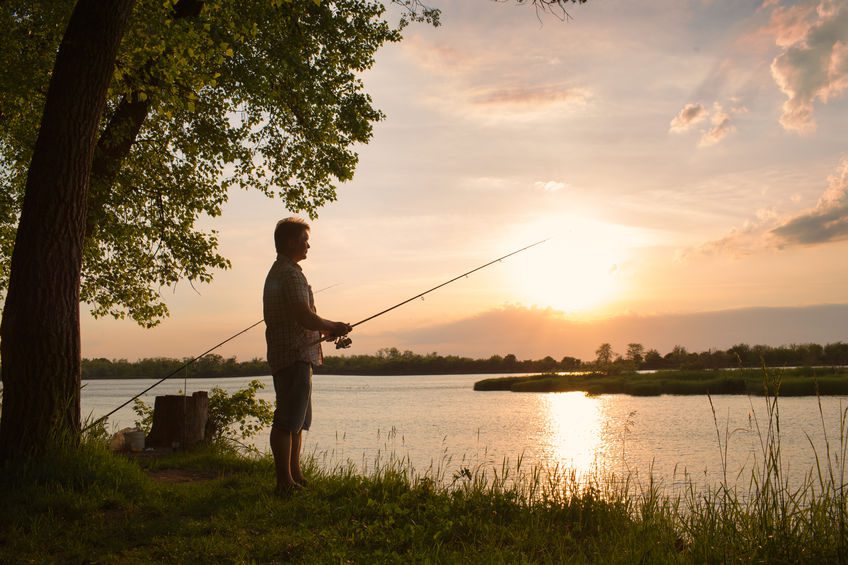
(743, 355)
(211, 366)
(392, 361)
(389, 361)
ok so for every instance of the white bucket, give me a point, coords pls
(135, 440)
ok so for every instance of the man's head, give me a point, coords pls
(291, 238)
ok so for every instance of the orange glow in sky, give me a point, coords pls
(577, 270)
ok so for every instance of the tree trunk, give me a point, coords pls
(40, 344)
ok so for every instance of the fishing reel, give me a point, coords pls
(343, 342)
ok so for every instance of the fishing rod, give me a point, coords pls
(171, 374)
(342, 342)
(185, 366)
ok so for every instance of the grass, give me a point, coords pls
(104, 508)
(793, 382)
(92, 506)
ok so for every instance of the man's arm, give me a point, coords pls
(312, 321)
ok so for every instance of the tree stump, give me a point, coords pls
(179, 421)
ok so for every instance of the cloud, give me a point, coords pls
(814, 63)
(499, 104)
(441, 58)
(550, 186)
(789, 25)
(534, 333)
(478, 82)
(826, 222)
(529, 97)
(721, 121)
(752, 237)
(690, 115)
(721, 127)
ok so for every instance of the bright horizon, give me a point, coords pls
(684, 157)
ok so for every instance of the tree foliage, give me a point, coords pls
(604, 354)
(207, 96)
(635, 353)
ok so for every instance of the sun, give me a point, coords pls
(577, 271)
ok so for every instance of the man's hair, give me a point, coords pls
(287, 230)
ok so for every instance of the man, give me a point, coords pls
(293, 332)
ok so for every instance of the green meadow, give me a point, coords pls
(803, 381)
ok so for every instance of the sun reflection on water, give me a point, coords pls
(574, 424)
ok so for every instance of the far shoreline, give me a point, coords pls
(766, 381)
(316, 374)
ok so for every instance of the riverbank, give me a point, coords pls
(216, 506)
(803, 381)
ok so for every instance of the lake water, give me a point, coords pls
(439, 424)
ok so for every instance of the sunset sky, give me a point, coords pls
(685, 157)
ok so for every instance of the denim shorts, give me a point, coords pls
(293, 386)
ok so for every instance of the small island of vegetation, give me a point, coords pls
(795, 370)
(803, 381)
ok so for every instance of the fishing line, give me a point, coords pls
(185, 366)
(342, 342)
(169, 375)
(456, 278)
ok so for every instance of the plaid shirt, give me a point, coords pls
(287, 340)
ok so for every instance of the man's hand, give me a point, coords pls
(337, 329)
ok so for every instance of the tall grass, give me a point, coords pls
(761, 517)
(773, 519)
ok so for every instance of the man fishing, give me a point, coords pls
(291, 325)
(293, 332)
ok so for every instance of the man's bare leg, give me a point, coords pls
(296, 444)
(281, 447)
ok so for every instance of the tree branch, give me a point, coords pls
(116, 141)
